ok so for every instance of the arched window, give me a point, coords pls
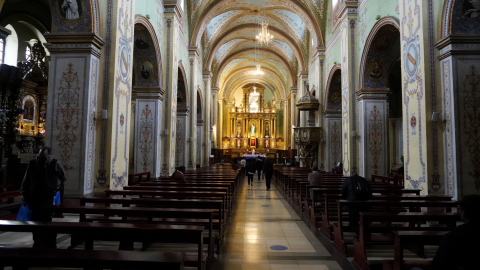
(27, 53)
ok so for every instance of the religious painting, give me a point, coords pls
(28, 106)
(471, 8)
(146, 69)
(253, 142)
(141, 43)
(70, 9)
(267, 143)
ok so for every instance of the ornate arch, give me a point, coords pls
(379, 25)
(456, 19)
(333, 73)
(140, 19)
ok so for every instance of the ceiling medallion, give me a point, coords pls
(264, 37)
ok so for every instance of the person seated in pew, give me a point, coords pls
(243, 163)
(235, 164)
(314, 179)
(460, 247)
(178, 175)
(39, 186)
(356, 188)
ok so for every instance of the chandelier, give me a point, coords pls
(264, 37)
(258, 70)
(254, 94)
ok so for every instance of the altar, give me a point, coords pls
(253, 156)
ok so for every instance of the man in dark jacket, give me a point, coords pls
(351, 192)
(268, 171)
(178, 175)
(259, 166)
(459, 248)
(39, 186)
(250, 171)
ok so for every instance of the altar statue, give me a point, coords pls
(253, 130)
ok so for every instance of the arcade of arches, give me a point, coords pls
(122, 87)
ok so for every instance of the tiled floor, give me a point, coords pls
(266, 233)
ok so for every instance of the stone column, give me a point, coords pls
(207, 122)
(373, 113)
(192, 139)
(200, 141)
(349, 79)
(71, 111)
(148, 131)
(220, 124)
(302, 79)
(214, 111)
(293, 115)
(181, 139)
(333, 142)
(460, 69)
(173, 16)
(415, 69)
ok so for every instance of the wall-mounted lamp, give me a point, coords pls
(435, 116)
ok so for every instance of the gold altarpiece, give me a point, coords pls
(253, 123)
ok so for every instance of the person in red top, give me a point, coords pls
(178, 175)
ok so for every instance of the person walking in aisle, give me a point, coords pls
(259, 166)
(250, 171)
(268, 171)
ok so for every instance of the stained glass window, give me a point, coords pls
(27, 53)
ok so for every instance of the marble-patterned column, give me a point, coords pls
(71, 109)
(220, 124)
(293, 116)
(200, 140)
(181, 139)
(373, 115)
(333, 141)
(302, 79)
(349, 73)
(148, 131)
(192, 125)
(460, 70)
(207, 116)
(214, 110)
(415, 67)
(173, 17)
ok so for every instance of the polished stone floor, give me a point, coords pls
(266, 233)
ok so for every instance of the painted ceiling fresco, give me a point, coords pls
(226, 30)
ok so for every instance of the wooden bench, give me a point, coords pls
(411, 205)
(406, 239)
(23, 258)
(378, 228)
(125, 233)
(138, 178)
(329, 214)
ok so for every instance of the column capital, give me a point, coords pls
(214, 90)
(207, 74)
(372, 94)
(172, 7)
(74, 43)
(148, 93)
(193, 51)
(458, 45)
(319, 52)
(303, 74)
(347, 8)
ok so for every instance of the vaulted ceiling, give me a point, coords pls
(227, 29)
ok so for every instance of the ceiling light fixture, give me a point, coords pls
(264, 37)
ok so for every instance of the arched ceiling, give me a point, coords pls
(226, 30)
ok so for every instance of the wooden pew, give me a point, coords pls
(329, 212)
(125, 233)
(23, 258)
(382, 232)
(405, 239)
(138, 178)
(412, 206)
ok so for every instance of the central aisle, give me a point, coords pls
(266, 233)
